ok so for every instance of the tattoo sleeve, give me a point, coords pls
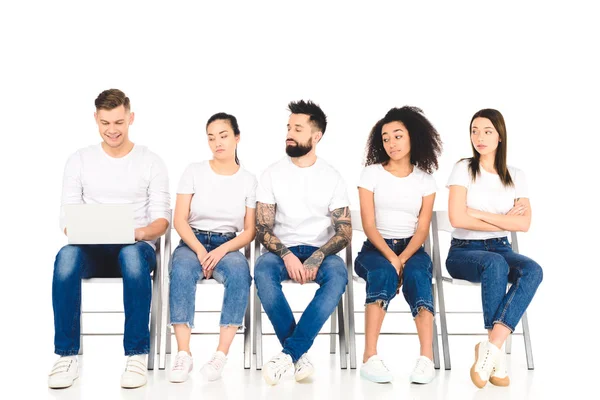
(265, 220)
(342, 223)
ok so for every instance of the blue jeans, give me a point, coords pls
(493, 263)
(232, 271)
(382, 278)
(332, 278)
(132, 262)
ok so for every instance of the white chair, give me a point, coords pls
(337, 314)
(154, 308)
(165, 345)
(441, 222)
(357, 226)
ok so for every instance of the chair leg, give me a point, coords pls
(153, 322)
(333, 333)
(247, 334)
(445, 344)
(351, 324)
(258, 329)
(508, 344)
(527, 339)
(342, 335)
(80, 334)
(436, 346)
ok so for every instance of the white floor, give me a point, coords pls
(101, 366)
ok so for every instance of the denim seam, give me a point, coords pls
(188, 324)
(512, 295)
(137, 353)
(66, 353)
(421, 304)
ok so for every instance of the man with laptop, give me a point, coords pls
(115, 204)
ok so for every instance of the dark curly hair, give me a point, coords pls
(425, 142)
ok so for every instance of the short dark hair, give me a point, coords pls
(316, 116)
(425, 142)
(232, 122)
(111, 99)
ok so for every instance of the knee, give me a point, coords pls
(133, 263)
(497, 265)
(238, 276)
(536, 272)
(266, 269)
(385, 278)
(336, 273)
(68, 262)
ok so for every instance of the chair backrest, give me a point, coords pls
(356, 220)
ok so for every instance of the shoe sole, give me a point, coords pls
(503, 382)
(421, 381)
(376, 379)
(300, 377)
(63, 386)
(477, 381)
(268, 379)
(134, 387)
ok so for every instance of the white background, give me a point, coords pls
(179, 64)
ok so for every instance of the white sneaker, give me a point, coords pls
(499, 375)
(182, 365)
(486, 355)
(135, 372)
(64, 372)
(277, 367)
(375, 370)
(213, 369)
(424, 371)
(304, 368)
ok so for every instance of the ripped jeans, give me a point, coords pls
(232, 271)
(382, 278)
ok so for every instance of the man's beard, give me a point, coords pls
(298, 150)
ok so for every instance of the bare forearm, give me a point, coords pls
(415, 244)
(514, 223)
(155, 230)
(379, 242)
(240, 240)
(186, 234)
(465, 221)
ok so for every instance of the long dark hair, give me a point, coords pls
(425, 142)
(232, 122)
(500, 160)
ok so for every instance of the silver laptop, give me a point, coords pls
(100, 223)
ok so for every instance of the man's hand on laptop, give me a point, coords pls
(140, 234)
(295, 269)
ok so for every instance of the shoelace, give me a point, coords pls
(421, 365)
(279, 362)
(135, 366)
(216, 362)
(485, 365)
(301, 363)
(179, 362)
(61, 366)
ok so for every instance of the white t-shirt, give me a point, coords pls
(219, 201)
(305, 198)
(398, 201)
(487, 194)
(139, 178)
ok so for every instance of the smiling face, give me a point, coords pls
(396, 140)
(113, 126)
(221, 139)
(484, 136)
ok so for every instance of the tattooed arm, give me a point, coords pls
(342, 224)
(265, 220)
